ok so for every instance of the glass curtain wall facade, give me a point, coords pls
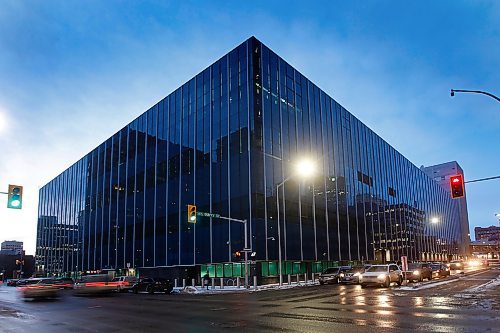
(223, 141)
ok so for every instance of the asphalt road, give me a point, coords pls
(466, 304)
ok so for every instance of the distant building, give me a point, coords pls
(485, 249)
(11, 247)
(441, 173)
(490, 234)
(14, 267)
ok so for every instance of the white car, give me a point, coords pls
(124, 283)
(382, 275)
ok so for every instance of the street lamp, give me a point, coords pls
(453, 91)
(434, 220)
(304, 168)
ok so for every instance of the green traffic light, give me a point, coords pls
(15, 194)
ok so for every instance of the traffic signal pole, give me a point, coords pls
(246, 249)
(481, 179)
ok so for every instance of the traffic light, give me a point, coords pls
(191, 214)
(237, 254)
(457, 186)
(15, 197)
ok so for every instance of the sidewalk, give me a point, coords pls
(233, 289)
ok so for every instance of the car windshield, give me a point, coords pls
(331, 270)
(356, 270)
(436, 266)
(377, 269)
(414, 266)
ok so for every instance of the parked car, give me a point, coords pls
(332, 275)
(439, 270)
(418, 271)
(352, 275)
(151, 286)
(456, 265)
(64, 283)
(95, 285)
(37, 288)
(381, 275)
(12, 282)
(125, 283)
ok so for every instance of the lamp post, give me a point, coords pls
(453, 91)
(305, 168)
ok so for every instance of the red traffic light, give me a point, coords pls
(457, 186)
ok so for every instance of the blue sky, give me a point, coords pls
(72, 73)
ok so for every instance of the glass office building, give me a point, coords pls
(223, 141)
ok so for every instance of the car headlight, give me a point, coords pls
(357, 274)
(416, 273)
(341, 274)
(458, 264)
(360, 276)
(381, 277)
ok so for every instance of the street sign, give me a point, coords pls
(128, 265)
(207, 214)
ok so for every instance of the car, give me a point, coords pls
(352, 275)
(381, 275)
(97, 284)
(124, 283)
(439, 270)
(64, 283)
(332, 275)
(456, 265)
(418, 271)
(37, 288)
(12, 282)
(151, 285)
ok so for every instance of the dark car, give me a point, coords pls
(418, 271)
(151, 286)
(352, 275)
(439, 270)
(12, 282)
(332, 275)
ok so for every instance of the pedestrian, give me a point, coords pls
(206, 279)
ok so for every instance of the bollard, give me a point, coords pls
(312, 278)
(238, 281)
(183, 283)
(305, 278)
(298, 279)
(289, 279)
(221, 283)
(213, 283)
(255, 282)
(193, 283)
(175, 283)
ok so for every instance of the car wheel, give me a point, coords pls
(150, 290)
(363, 285)
(400, 281)
(321, 283)
(387, 283)
(135, 290)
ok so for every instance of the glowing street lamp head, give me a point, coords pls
(434, 220)
(305, 168)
